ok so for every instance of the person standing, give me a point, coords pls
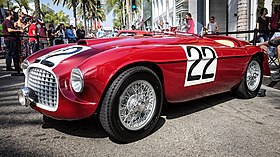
(212, 27)
(51, 34)
(32, 31)
(263, 25)
(166, 26)
(43, 32)
(74, 32)
(184, 25)
(21, 24)
(70, 34)
(100, 32)
(275, 20)
(81, 33)
(61, 37)
(190, 25)
(10, 41)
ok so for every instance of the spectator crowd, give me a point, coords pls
(269, 35)
(22, 35)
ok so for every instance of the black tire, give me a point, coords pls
(110, 114)
(244, 90)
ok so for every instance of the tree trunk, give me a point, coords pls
(37, 13)
(85, 21)
(242, 18)
(74, 3)
(91, 21)
(123, 15)
(128, 9)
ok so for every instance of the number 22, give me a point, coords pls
(197, 56)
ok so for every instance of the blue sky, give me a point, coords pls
(59, 7)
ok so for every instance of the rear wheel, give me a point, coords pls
(252, 79)
(132, 104)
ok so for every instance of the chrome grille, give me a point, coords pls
(45, 86)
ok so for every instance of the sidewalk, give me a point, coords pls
(3, 72)
(266, 80)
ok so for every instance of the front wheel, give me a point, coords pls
(252, 79)
(132, 105)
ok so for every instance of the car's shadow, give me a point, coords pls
(91, 127)
(177, 110)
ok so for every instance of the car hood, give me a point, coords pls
(63, 58)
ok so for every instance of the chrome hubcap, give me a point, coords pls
(137, 105)
(253, 75)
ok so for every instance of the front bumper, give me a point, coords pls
(68, 109)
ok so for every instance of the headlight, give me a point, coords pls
(25, 64)
(77, 80)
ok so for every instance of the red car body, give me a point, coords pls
(171, 57)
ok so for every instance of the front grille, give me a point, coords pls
(45, 86)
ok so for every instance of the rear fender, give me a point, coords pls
(257, 51)
(266, 68)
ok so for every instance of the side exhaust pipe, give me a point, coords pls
(26, 96)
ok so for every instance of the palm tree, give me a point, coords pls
(120, 9)
(2, 3)
(119, 13)
(59, 17)
(118, 22)
(23, 4)
(70, 4)
(92, 13)
(117, 6)
(100, 15)
(87, 6)
(95, 14)
(47, 13)
(37, 12)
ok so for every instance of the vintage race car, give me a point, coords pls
(126, 80)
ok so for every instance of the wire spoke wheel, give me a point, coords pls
(137, 105)
(132, 105)
(252, 79)
(253, 75)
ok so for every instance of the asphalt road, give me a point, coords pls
(219, 125)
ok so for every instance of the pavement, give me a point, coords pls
(268, 82)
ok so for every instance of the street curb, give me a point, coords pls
(273, 84)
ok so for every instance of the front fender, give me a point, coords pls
(101, 68)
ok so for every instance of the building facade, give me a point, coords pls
(231, 15)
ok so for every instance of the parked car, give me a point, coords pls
(110, 34)
(125, 33)
(126, 80)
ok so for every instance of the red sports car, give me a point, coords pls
(126, 80)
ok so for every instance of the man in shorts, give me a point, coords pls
(274, 42)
